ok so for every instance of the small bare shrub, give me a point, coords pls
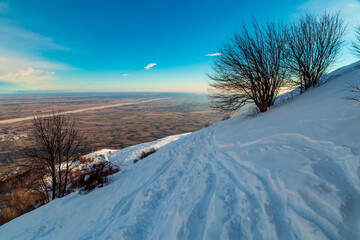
(95, 176)
(85, 162)
(144, 154)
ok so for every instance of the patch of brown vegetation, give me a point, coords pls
(24, 192)
(96, 175)
(146, 153)
(20, 194)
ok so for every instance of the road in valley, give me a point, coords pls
(14, 120)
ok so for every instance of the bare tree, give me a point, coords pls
(356, 42)
(314, 43)
(58, 145)
(250, 69)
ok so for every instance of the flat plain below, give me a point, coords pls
(107, 120)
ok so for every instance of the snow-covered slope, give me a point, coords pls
(290, 173)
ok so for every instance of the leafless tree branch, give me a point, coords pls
(58, 145)
(314, 42)
(356, 43)
(250, 69)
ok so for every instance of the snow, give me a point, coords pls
(126, 156)
(290, 173)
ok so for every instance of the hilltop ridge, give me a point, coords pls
(290, 173)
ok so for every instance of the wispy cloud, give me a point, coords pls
(349, 9)
(126, 74)
(212, 54)
(150, 65)
(29, 78)
(31, 74)
(15, 37)
(21, 63)
(8, 64)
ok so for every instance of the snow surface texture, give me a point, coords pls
(290, 173)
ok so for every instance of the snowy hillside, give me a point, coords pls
(290, 173)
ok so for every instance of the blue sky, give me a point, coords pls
(129, 45)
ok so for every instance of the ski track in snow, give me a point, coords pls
(261, 178)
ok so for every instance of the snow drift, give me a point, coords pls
(290, 173)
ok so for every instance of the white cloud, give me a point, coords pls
(150, 65)
(30, 73)
(20, 55)
(349, 9)
(30, 77)
(126, 74)
(212, 54)
(15, 64)
(15, 37)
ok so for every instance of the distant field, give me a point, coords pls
(115, 127)
(78, 110)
